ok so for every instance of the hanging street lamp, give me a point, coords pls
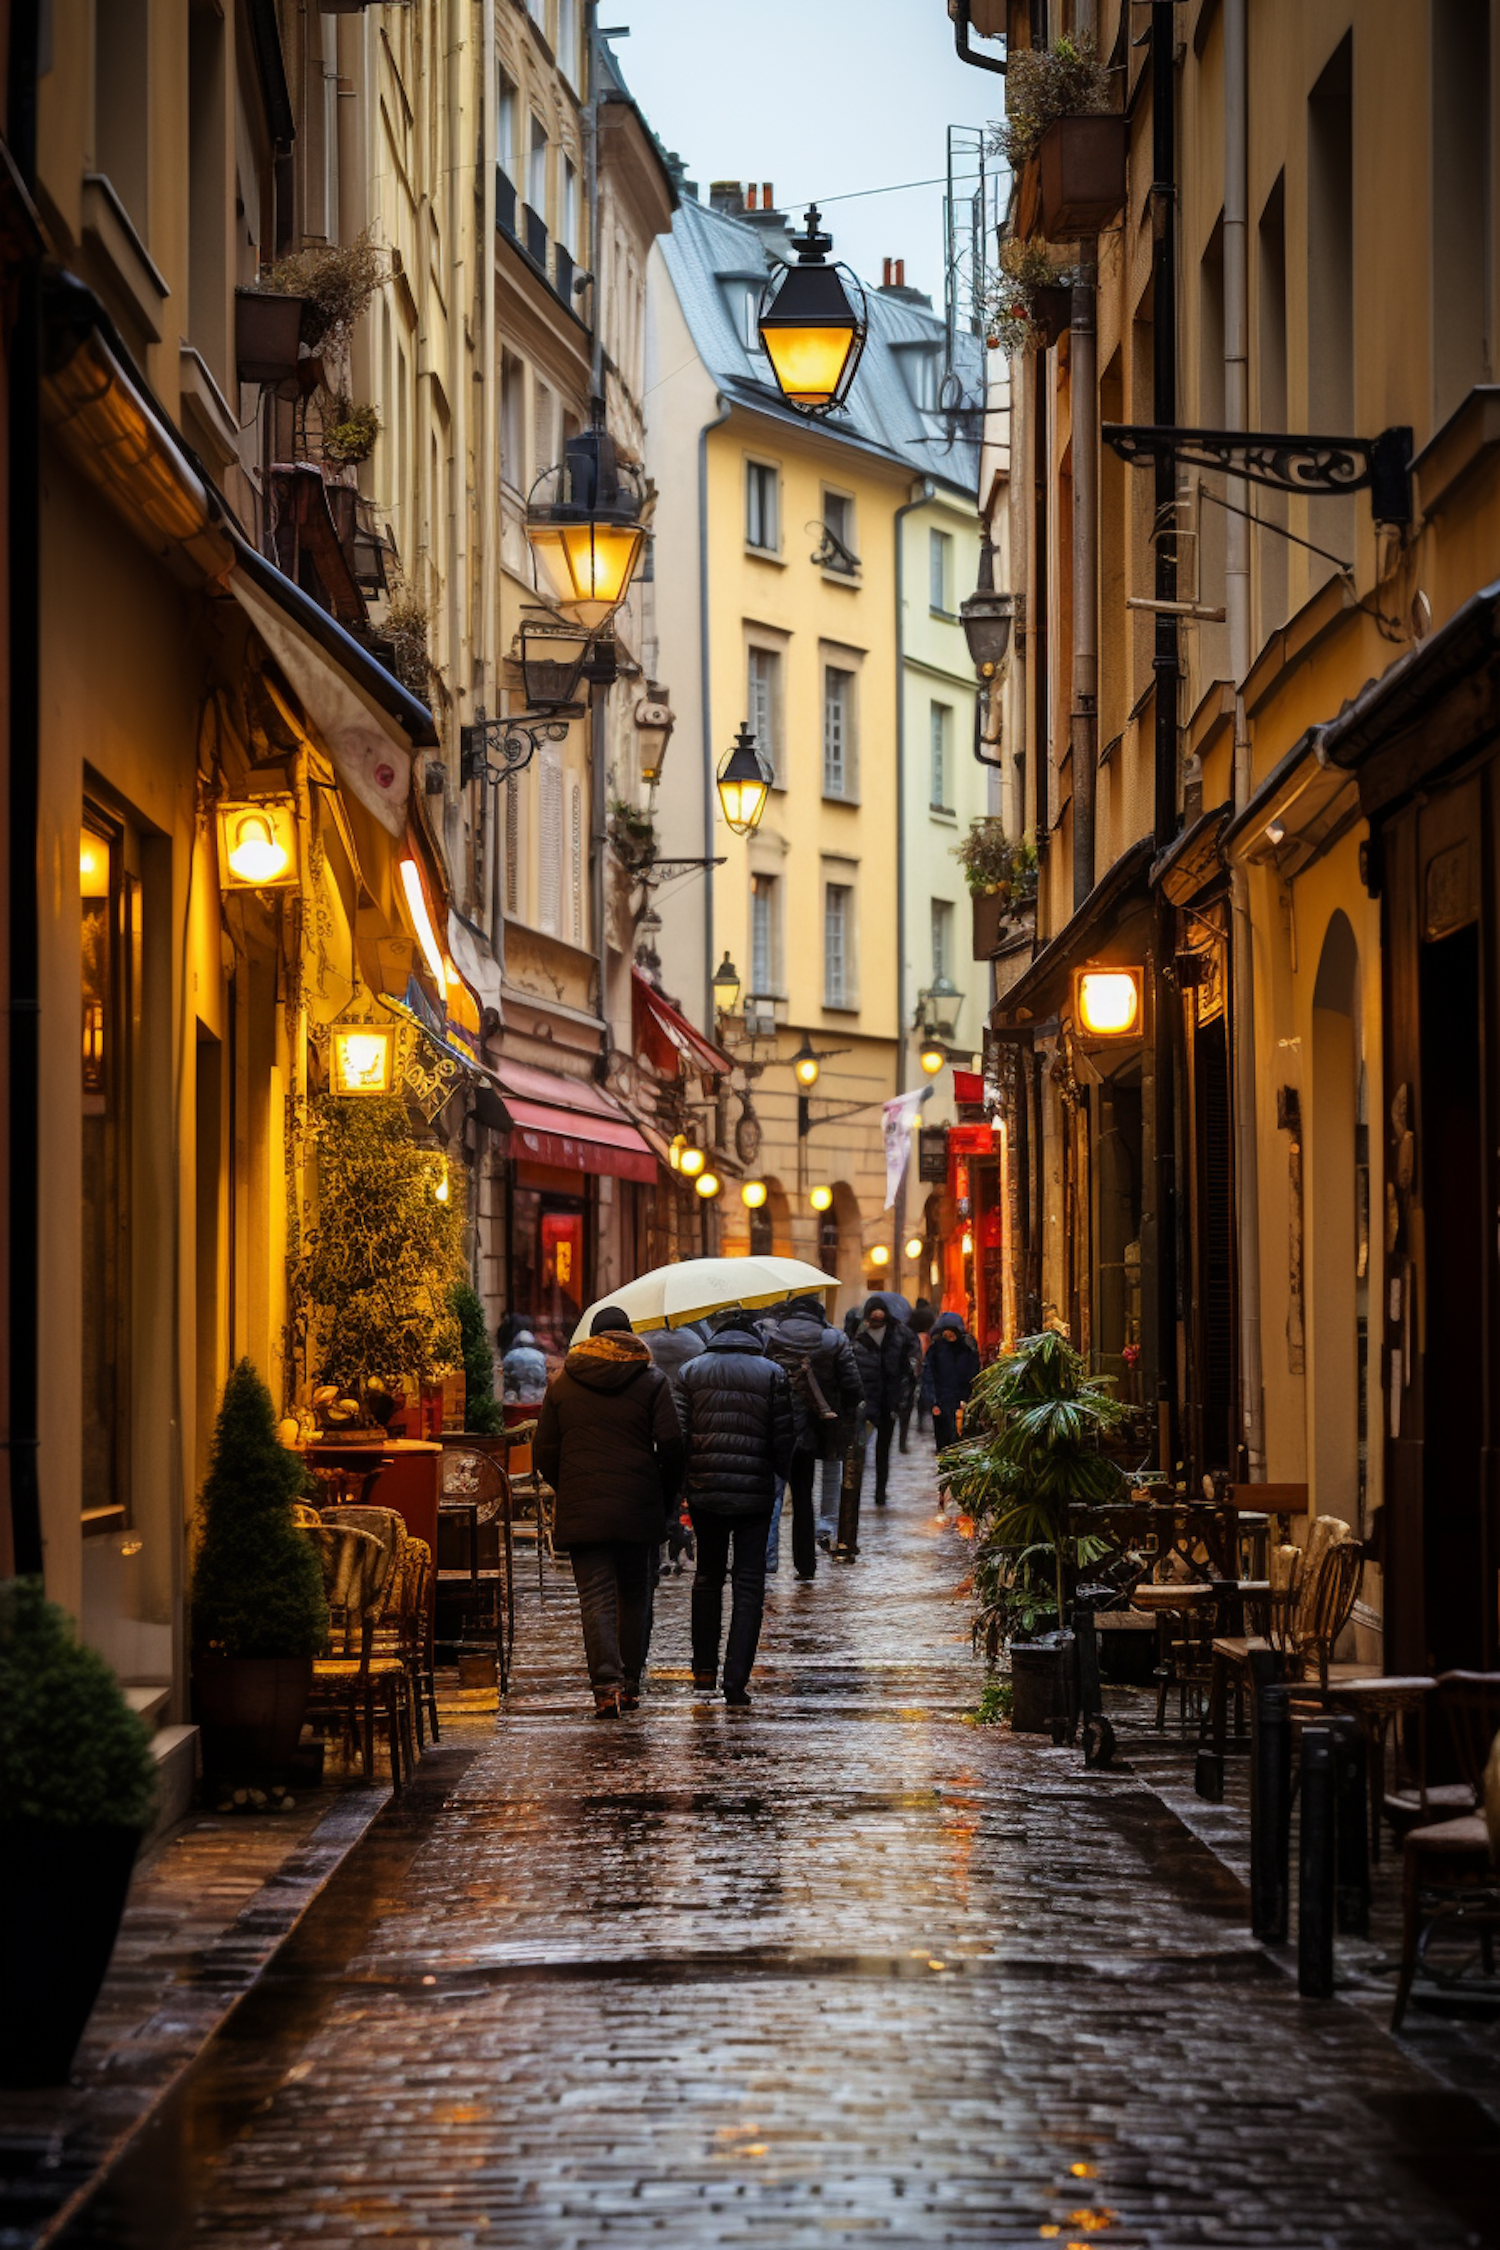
(813, 321)
(726, 985)
(987, 619)
(821, 1198)
(805, 1064)
(583, 522)
(744, 782)
(708, 1185)
(654, 721)
(363, 1058)
(753, 1194)
(258, 844)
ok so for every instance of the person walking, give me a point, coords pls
(948, 1374)
(740, 1435)
(885, 1370)
(610, 1444)
(827, 1397)
(523, 1370)
(911, 1344)
(671, 1349)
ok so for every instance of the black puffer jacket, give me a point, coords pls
(883, 1356)
(796, 1333)
(738, 1410)
(951, 1365)
(671, 1349)
(610, 1444)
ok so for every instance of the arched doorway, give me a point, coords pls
(1337, 1233)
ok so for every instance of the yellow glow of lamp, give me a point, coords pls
(364, 1058)
(691, 1162)
(968, 1245)
(708, 1185)
(421, 922)
(93, 867)
(1107, 1002)
(805, 1064)
(441, 1191)
(674, 1153)
(932, 1057)
(753, 1194)
(258, 844)
(914, 1247)
(583, 522)
(880, 1255)
(744, 782)
(811, 329)
(821, 1198)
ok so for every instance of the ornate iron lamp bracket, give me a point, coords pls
(1319, 466)
(663, 870)
(514, 742)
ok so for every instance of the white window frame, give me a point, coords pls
(770, 473)
(942, 938)
(839, 732)
(940, 755)
(765, 937)
(940, 571)
(763, 711)
(839, 981)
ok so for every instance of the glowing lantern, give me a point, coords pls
(744, 782)
(753, 1194)
(585, 530)
(805, 1064)
(811, 330)
(708, 1185)
(821, 1198)
(258, 844)
(364, 1058)
(1107, 1002)
(914, 1247)
(880, 1255)
(691, 1162)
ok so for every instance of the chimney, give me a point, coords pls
(750, 197)
(727, 196)
(885, 274)
(767, 199)
(898, 272)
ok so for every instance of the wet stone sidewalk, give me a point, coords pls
(842, 1966)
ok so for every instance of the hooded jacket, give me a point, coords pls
(950, 1367)
(524, 1370)
(737, 1406)
(883, 1356)
(671, 1349)
(610, 1444)
(796, 1333)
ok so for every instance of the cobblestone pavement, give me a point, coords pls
(840, 1966)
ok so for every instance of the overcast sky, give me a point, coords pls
(820, 97)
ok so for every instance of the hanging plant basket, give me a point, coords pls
(1075, 183)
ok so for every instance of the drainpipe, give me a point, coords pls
(598, 697)
(489, 467)
(23, 531)
(901, 514)
(1237, 607)
(1083, 390)
(706, 704)
(1168, 1262)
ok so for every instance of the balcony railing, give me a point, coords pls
(505, 200)
(535, 235)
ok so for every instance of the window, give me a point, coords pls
(536, 174)
(550, 843)
(513, 423)
(1461, 162)
(505, 127)
(922, 378)
(762, 703)
(749, 319)
(764, 937)
(940, 570)
(569, 235)
(838, 910)
(761, 527)
(544, 415)
(838, 522)
(942, 939)
(838, 732)
(109, 942)
(567, 39)
(942, 754)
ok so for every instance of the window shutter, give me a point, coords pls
(575, 852)
(550, 844)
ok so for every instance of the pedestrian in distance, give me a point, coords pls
(610, 1444)
(827, 1398)
(885, 1370)
(740, 1436)
(523, 1370)
(912, 1344)
(671, 1349)
(948, 1374)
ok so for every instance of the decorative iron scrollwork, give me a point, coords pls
(1320, 466)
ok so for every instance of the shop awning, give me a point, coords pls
(664, 1035)
(1046, 981)
(571, 1124)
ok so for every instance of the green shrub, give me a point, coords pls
(257, 1582)
(482, 1410)
(995, 1699)
(71, 1749)
(383, 1262)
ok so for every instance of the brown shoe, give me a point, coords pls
(608, 1703)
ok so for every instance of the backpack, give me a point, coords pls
(814, 1390)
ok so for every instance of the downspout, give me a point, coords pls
(706, 703)
(489, 470)
(1083, 392)
(906, 508)
(1237, 607)
(23, 533)
(1168, 1260)
(598, 697)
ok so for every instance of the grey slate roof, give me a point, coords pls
(708, 251)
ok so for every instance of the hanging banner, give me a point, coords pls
(900, 1116)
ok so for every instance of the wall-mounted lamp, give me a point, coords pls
(1107, 1002)
(258, 844)
(753, 1194)
(805, 1064)
(583, 522)
(654, 722)
(726, 986)
(914, 1247)
(987, 619)
(821, 1198)
(880, 1255)
(708, 1185)
(363, 1058)
(691, 1161)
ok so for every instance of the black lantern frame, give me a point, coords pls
(814, 294)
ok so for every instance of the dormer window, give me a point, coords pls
(923, 374)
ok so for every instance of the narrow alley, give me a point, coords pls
(840, 1965)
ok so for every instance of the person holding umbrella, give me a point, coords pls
(609, 1442)
(737, 1408)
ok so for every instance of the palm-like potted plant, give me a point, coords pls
(258, 1613)
(1038, 1420)
(77, 1781)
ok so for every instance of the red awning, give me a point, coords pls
(571, 1124)
(664, 1035)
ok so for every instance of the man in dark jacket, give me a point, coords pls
(881, 1352)
(948, 1375)
(610, 1444)
(827, 1398)
(671, 1349)
(738, 1413)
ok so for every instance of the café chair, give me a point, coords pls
(1449, 1873)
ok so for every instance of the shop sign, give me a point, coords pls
(932, 1153)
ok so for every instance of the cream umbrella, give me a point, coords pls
(670, 1296)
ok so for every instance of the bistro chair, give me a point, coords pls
(476, 1593)
(532, 1498)
(1449, 1875)
(357, 1571)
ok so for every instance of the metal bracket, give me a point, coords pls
(1320, 467)
(514, 741)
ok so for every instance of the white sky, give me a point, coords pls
(820, 97)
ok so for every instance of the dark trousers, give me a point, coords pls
(616, 1581)
(714, 1534)
(806, 1469)
(884, 1430)
(945, 1426)
(905, 1423)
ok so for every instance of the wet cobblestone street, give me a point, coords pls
(840, 1966)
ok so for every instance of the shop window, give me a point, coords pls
(549, 1284)
(109, 917)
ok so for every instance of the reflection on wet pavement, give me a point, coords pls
(843, 1965)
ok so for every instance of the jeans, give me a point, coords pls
(831, 1485)
(945, 1426)
(804, 1525)
(881, 1432)
(749, 1536)
(773, 1542)
(616, 1581)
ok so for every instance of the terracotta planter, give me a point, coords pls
(62, 1892)
(250, 1710)
(1074, 183)
(1052, 311)
(267, 332)
(989, 919)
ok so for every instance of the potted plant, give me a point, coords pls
(334, 283)
(349, 433)
(77, 1780)
(267, 334)
(1001, 876)
(1031, 299)
(1039, 1420)
(1065, 144)
(484, 1416)
(258, 1613)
